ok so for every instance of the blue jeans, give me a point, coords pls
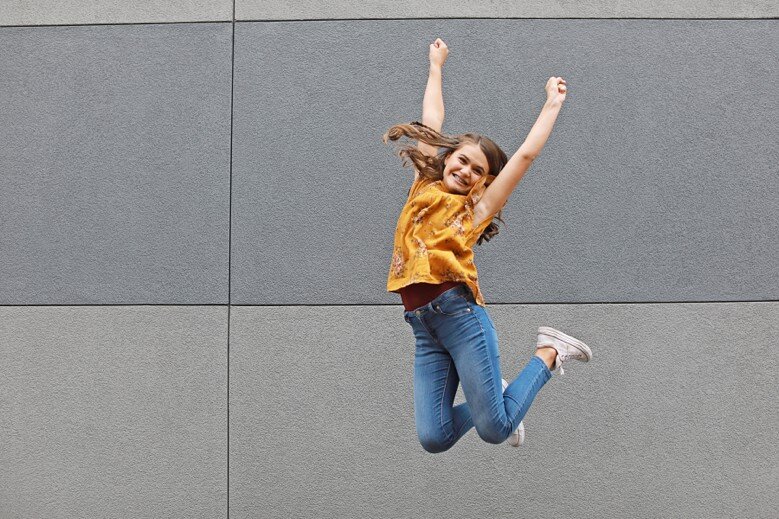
(456, 343)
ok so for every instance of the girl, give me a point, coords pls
(454, 197)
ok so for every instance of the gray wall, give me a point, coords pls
(196, 213)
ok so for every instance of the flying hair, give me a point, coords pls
(432, 167)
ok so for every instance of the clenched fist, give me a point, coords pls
(438, 52)
(556, 89)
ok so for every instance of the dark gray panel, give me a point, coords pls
(658, 183)
(674, 417)
(113, 412)
(115, 164)
(307, 9)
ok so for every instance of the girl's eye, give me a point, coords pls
(477, 171)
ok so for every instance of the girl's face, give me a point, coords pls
(464, 167)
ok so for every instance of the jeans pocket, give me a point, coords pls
(453, 307)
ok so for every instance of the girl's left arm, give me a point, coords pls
(498, 192)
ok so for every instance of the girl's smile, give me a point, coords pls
(464, 168)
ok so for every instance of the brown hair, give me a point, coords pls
(432, 167)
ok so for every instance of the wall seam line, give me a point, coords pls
(230, 246)
(400, 19)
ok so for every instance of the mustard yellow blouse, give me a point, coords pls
(434, 236)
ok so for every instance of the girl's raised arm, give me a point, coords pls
(433, 103)
(498, 192)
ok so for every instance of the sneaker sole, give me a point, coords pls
(576, 343)
(520, 436)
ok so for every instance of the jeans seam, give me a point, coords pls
(457, 433)
(432, 336)
(441, 404)
(492, 373)
(532, 385)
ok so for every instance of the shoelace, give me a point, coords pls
(561, 357)
(565, 356)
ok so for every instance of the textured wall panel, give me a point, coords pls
(658, 183)
(115, 164)
(113, 412)
(50, 12)
(673, 417)
(307, 9)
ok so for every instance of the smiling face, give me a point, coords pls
(464, 167)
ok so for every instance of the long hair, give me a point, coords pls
(432, 167)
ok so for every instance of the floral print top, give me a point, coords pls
(434, 236)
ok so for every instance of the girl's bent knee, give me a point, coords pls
(435, 445)
(492, 434)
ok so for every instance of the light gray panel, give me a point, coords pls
(674, 417)
(115, 164)
(113, 412)
(658, 183)
(55, 12)
(307, 9)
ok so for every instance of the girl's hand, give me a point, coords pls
(556, 89)
(438, 52)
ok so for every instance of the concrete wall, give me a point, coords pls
(196, 213)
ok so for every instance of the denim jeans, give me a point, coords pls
(456, 343)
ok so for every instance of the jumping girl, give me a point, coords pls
(454, 197)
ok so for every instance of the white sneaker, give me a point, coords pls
(517, 438)
(567, 347)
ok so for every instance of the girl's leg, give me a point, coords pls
(439, 424)
(520, 393)
(472, 341)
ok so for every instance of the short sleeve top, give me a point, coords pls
(434, 236)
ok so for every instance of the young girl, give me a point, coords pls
(455, 195)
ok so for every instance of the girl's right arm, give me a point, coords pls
(498, 192)
(433, 103)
